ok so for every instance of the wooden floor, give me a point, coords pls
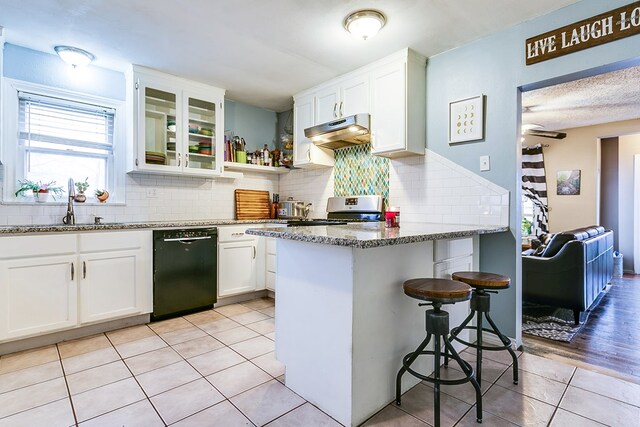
(611, 337)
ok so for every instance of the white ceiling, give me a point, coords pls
(261, 51)
(605, 98)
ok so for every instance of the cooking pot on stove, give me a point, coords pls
(292, 209)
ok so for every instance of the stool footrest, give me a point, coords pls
(432, 380)
(456, 331)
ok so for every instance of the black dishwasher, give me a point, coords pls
(184, 271)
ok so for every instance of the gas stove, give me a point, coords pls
(355, 208)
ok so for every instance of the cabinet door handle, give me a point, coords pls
(254, 252)
(73, 271)
(340, 109)
(186, 160)
(335, 107)
(309, 153)
(84, 270)
(179, 159)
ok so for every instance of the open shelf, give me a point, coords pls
(246, 167)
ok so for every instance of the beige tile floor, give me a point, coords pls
(217, 368)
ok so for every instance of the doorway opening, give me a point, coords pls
(587, 131)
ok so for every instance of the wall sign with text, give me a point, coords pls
(606, 27)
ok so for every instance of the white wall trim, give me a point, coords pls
(636, 213)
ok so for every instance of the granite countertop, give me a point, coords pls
(375, 234)
(55, 228)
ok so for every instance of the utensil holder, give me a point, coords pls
(241, 156)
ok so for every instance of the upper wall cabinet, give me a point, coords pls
(392, 90)
(177, 127)
(305, 152)
(398, 106)
(343, 98)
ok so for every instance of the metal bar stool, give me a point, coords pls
(483, 284)
(438, 292)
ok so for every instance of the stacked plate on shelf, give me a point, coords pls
(204, 148)
(155, 157)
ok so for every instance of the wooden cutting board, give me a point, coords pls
(252, 204)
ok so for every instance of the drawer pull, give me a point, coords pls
(237, 234)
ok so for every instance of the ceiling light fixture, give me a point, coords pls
(74, 56)
(364, 24)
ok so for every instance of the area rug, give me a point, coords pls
(550, 322)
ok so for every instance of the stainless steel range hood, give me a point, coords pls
(343, 132)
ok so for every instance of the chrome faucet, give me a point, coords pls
(70, 218)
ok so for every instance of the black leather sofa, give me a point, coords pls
(571, 271)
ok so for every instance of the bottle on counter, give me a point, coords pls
(274, 206)
(392, 217)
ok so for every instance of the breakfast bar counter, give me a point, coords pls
(343, 323)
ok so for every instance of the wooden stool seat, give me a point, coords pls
(442, 290)
(480, 280)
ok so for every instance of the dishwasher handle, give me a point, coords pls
(188, 240)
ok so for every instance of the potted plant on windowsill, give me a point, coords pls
(102, 195)
(81, 186)
(39, 189)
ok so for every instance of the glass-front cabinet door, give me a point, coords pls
(179, 125)
(201, 143)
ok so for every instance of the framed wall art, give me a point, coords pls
(466, 119)
(568, 183)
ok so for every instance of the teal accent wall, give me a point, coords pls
(47, 69)
(256, 125)
(495, 66)
(358, 172)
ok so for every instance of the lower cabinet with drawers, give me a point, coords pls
(53, 282)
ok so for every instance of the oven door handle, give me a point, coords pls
(187, 241)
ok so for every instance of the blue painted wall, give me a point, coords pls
(256, 125)
(495, 66)
(47, 69)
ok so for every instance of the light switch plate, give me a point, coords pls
(484, 163)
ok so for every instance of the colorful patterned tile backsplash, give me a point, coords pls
(358, 172)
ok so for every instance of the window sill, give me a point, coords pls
(60, 203)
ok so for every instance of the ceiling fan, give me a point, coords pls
(545, 133)
(534, 129)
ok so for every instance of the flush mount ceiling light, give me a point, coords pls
(364, 24)
(74, 56)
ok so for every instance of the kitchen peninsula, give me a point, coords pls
(343, 323)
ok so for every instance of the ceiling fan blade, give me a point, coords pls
(546, 134)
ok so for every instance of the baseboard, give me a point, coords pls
(71, 334)
(240, 298)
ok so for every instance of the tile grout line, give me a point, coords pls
(66, 382)
(137, 382)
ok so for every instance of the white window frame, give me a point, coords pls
(10, 148)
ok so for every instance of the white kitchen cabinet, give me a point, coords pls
(60, 281)
(37, 295)
(271, 260)
(114, 275)
(38, 286)
(342, 97)
(240, 260)
(453, 255)
(398, 106)
(178, 125)
(305, 153)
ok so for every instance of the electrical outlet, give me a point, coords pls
(152, 193)
(484, 163)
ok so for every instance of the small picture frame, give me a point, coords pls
(568, 183)
(466, 120)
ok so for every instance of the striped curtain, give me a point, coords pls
(534, 187)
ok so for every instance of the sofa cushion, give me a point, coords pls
(556, 243)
